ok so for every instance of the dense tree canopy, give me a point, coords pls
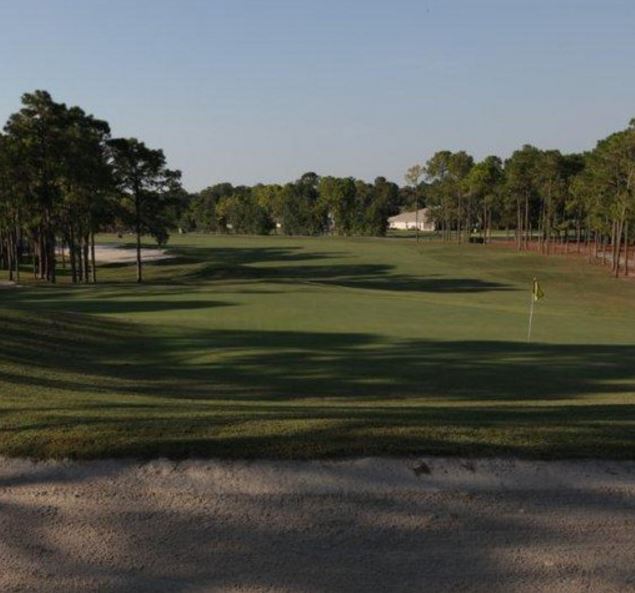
(63, 179)
(312, 205)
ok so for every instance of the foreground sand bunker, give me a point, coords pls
(353, 526)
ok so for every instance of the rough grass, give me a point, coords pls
(303, 348)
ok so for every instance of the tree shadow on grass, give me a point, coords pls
(294, 365)
(126, 306)
(365, 276)
(298, 264)
(287, 265)
(201, 390)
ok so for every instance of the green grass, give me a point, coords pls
(301, 348)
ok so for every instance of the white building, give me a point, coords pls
(412, 220)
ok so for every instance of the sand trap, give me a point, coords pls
(113, 254)
(377, 525)
(7, 284)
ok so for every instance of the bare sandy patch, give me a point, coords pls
(363, 525)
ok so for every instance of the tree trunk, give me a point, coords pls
(34, 256)
(618, 252)
(71, 255)
(80, 256)
(41, 255)
(10, 252)
(519, 225)
(619, 235)
(548, 230)
(527, 225)
(458, 220)
(92, 258)
(613, 238)
(85, 246)
(138, 232)
(596, 247)
(626, 249)
(17, 250)
(52, 267)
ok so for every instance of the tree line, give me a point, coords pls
(312, 205)
(63, 179)
(547, 200)
(584, 202)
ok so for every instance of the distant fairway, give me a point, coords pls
(298, 348)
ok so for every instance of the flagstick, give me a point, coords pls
(531, 317)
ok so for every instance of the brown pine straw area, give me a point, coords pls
(588, 251)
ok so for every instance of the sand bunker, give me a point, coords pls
(377, 525)
(112, 254)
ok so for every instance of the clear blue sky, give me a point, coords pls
(248, 90)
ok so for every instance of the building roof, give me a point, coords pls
(410, 216)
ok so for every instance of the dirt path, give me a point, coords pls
(369, 525)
